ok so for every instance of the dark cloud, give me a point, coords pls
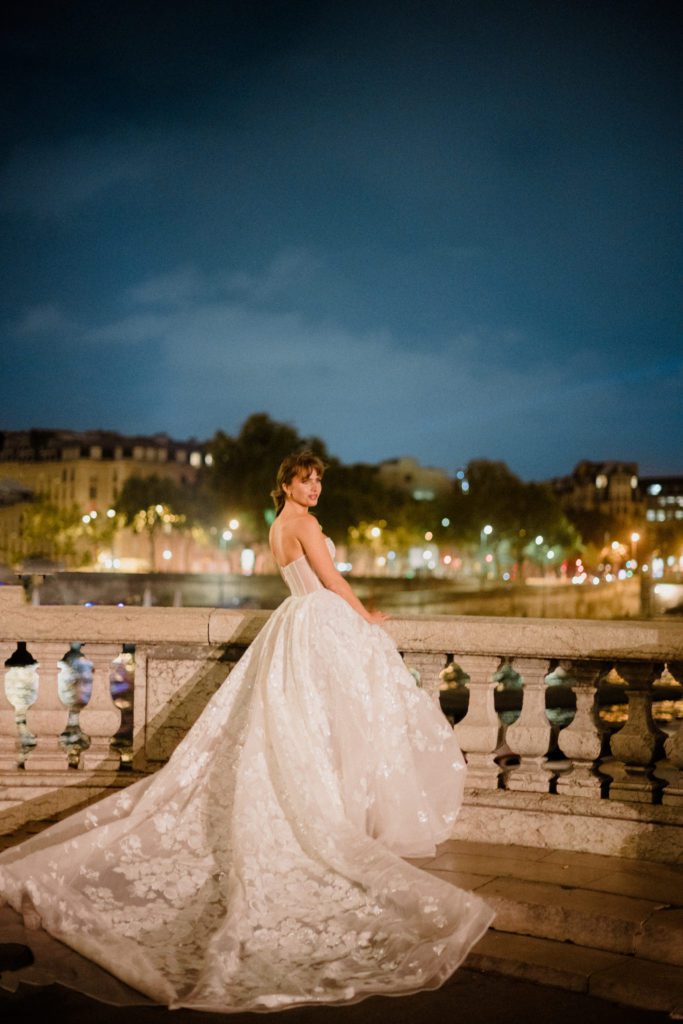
(446, 230)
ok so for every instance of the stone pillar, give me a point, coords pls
(530, 735)
(480, 731)
(429, 668)
(19, 693)
(122, 689)
(47, 717)
(672, 768)
(582, 740)
(74, 686)
(140, 758)
(639, 743)
(99, 718)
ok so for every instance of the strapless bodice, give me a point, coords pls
(300, 576)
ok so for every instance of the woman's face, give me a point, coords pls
(305, 488)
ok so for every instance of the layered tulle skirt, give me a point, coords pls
(262, 866)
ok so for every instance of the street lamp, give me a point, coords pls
(486, 532)
(635, 537)
(538, 541)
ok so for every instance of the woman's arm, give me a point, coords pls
(310, 537)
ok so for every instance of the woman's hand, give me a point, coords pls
(376, 618)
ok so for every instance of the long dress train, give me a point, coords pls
(262, 867)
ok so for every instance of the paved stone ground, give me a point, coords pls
(467, 998)
(470, 997)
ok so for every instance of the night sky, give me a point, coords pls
(446, 230)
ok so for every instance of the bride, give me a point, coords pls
(261, 867)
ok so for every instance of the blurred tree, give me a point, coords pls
(516, 511)
(147, 504)
(595, 526)
(350, 495)
(244, 469)
(48, 532)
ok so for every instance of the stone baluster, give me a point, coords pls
(582, 739)
(8, 725)
(429, 668)
(122, 689)
(74, 685)
(20, 689)
(480, 731)
(672, 768)
(638, 744)
(100, 718)
(142, 712)
(46, 717)
(529, 736)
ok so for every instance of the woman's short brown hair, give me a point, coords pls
(296, 464)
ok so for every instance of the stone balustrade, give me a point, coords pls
(95, 698)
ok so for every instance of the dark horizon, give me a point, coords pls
(175, 439)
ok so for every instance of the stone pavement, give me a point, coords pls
(605, 932)
(608, 926)
(467, 998)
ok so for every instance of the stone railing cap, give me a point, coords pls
(549, 638)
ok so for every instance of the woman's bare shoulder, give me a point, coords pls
(309, 526)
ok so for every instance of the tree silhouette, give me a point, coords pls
(149, 503)
(244, 469)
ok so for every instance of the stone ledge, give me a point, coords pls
(661, 937)
(584, 917)
(483, 636)
(36, 799)
(571, 638)
(645, 880)
(541, 960)
(620, 979)
(641, 983)
(611, 828)
(106, 625)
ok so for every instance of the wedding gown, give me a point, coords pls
(261, 867)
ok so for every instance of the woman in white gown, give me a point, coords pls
(262, 867)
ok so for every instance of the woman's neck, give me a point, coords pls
(292, 508)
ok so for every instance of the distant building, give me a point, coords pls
(423, 483)
(85, 470)
(663, 498)
(88, 469)
(15, 499)
(610, 488)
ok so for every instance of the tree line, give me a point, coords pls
(355, 503)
